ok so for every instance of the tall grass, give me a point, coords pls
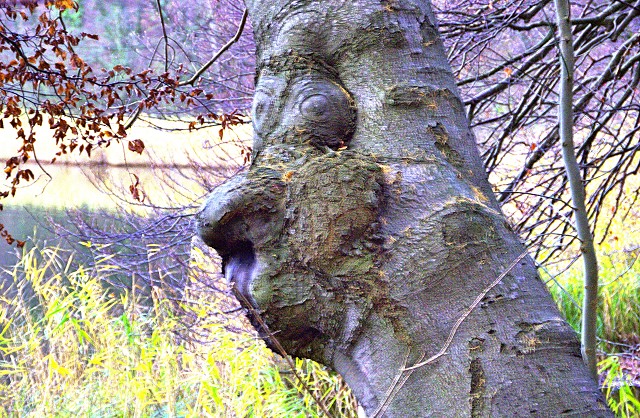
(618, 322)
(70, 347)
(619, 298)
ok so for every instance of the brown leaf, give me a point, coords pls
(136, 146)
(136, 193)
(90, 36)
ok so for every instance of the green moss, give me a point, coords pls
(469, 226)
(355, 266)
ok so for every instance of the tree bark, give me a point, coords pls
(365, 231)
(576, 186)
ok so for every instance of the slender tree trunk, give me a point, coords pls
(565, 119)
(366, 235)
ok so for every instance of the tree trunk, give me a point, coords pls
(576, 186)
(366, 234)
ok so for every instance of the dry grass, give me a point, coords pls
(69, 348)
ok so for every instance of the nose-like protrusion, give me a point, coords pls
(221, 221)
(243, 210)
(241, 217)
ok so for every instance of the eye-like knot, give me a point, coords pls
(310, 108)
(323, 112)
(315, 107)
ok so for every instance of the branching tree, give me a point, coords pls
(576, 186)
(505, 56)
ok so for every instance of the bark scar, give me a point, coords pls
(478, 378)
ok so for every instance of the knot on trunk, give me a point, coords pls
(296, 231)
(297, 108)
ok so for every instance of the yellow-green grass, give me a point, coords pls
(618, 314)
(69, 347)
(619, 298)
(618, 322)
(618, 319)
(618, 251)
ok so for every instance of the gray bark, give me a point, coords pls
(565, 122)
(365, 227)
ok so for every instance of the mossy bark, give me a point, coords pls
(365, 226)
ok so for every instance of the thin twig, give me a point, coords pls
(219, 53)
(281, 351)
(467, 313)
(164, 35)
(198, 73)
(135, 116)
(392, 388)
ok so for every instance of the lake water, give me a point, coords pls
(88, 212)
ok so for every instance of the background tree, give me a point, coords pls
(505, 57)
(576, 186)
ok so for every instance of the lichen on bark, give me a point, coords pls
(310, 220)
(365, 226)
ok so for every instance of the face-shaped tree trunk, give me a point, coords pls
(365, 228)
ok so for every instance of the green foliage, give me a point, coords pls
(622, 396)
(69, 347)
(618, 318)
(619, 297)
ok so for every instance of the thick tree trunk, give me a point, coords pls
(365, 228)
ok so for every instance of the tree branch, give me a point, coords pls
(222, 50)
